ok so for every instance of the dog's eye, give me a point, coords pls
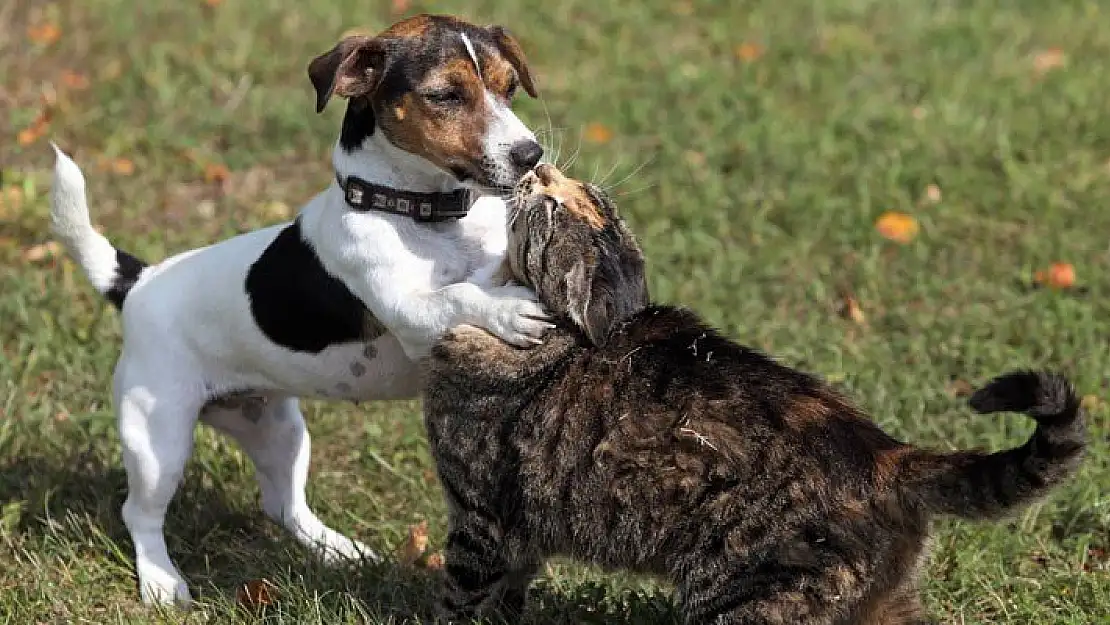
(445, 97)
(511, 91)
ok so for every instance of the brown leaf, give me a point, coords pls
(256, 594)
(37, 129)
(959, 388)
(215, 172)
(897, 227)
(1057, 276)
(1049, 59)
(44, 34)
(75, 80)
(27, 136)
(40, 252)
(748, 52)
(397, 7)
(213, 3)
(852, 311)
(415, 544)
(598, 133)
(122, 166)
(932, 193)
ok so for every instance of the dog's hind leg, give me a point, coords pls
(275, 438)
(156, 431)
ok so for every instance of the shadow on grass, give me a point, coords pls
(218, 549)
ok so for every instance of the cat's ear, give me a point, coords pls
(600, 295)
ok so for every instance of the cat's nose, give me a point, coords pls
(548, 174)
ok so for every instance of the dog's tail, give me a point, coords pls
(111, 271)
(977, 485)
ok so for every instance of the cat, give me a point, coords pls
(638, 437)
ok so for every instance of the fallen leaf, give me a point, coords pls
(37, 129)
(959, 388)
(434, 561)
(1049, 59)
(932, 193)
(415, 544)
(598, 133)
(256, 594)
(44, 34)
(36, 253)
(213, 3)
(27, 136)
(683, 8)
(851, 310)
(1057, 276)
(122, 166)
(919, 112)
(398, 7)
(748, 52)
(897, 227)
(75, 80)
(215, 172)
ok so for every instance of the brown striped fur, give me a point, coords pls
(638, 437)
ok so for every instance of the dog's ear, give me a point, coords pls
(602, 292)
(351, 69)
(509, 47)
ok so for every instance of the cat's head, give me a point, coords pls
(567, 242)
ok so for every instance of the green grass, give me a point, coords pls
(754, 186)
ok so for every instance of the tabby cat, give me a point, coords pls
(637, 437)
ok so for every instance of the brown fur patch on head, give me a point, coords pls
(415, 26)
(570, 193)
(452, 138)
(498, 73)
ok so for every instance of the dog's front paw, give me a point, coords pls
(162, 586)
(517, 317)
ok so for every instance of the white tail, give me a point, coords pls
(69, 220)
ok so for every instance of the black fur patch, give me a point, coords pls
(358, 125)
(128, 269)
(296, 303)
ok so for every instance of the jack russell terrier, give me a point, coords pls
(342, 302)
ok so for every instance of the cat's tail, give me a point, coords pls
(111, 271)
(977, 485)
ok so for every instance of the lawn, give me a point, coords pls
(752, 147)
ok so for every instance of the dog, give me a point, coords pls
(340, 303)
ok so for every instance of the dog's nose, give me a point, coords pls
(525, 154)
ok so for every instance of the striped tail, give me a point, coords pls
(111, 271)
(976, 485)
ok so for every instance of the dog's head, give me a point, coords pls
(567, 242)
(439, 88)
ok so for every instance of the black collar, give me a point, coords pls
(365, 196)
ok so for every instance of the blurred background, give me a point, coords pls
(906, 197)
